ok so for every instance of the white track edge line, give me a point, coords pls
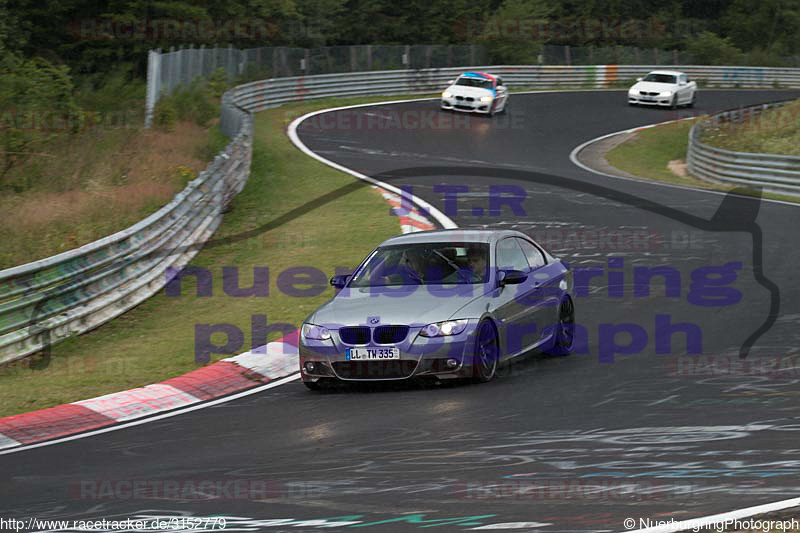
(292, 132)
(699, 523)
(573, 156)
(441, 218)
(146, 420)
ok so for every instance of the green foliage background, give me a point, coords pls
(48, 65)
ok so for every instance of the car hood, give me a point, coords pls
(475, 92)
(652, 86)
(354, 306)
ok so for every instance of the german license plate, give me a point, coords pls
(371, 354)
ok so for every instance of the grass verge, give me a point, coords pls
(155, 341)
(773, 131)
(648, 153)
(96, 183)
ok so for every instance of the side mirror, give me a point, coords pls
(681, 83)
(340, 281)
(511, 277)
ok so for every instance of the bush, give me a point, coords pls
(196, 102)
(165, 114)
(708, 48)
(218, 82)
(37, 103)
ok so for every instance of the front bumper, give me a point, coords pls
(474, 106)
(650, 100)
(444, 357)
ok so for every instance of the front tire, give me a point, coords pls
(312, 385)
(674, 103)
(487, 353)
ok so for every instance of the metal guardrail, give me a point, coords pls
(269, 93)
(773, 172)
(52, 299)
(44, 302)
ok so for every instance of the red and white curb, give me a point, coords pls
(265, 364)
(259, 366)
(411, 220)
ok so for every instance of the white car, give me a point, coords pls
(668, 88)
(476, 92)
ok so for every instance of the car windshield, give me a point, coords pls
(660, 78)
(474, 82)
(442, 263)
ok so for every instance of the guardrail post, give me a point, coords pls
(153, 85)
(178, 68)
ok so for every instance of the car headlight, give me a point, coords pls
(316, 333)
(665, 93)
(443, 329)
(486, 98)
(447, 94)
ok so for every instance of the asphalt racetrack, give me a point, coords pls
(576, 443)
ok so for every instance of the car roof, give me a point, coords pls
(671, 72)
(453, 235)
(484, 75)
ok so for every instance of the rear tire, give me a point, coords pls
(564, 336)
(693, 100)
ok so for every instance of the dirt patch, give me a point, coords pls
(678, 167)
(594, 155)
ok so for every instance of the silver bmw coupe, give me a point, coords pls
(446, 303)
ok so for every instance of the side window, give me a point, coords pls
(535, 256)
(510, 255)
(499, 81)
(683, 78)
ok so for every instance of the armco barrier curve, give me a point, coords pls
(46, 301)
(49, 300)
(255, 370)
(772, 172)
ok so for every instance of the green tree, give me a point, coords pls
(34, 94)
(708, 48)
(512, 43)
(768, 25)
